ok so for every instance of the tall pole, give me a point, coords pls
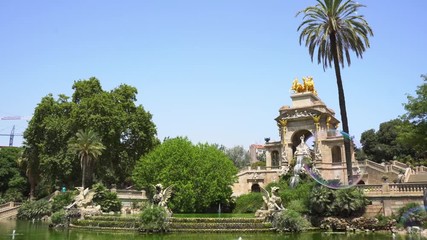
(12, 134)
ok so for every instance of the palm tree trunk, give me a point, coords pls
(343, 108)
(83, 172)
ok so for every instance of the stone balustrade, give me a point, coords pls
(9, 209)
(397, 189)
(130, 194)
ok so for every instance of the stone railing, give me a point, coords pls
(400, 164)
(130, 194)
(408, 187)
(9, 209)
(397, 169)
(367, 189)
(420, 169)
(377, 166)
(396, 189)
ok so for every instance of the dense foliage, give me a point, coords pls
(154, 219)
(126, 130)
(348, 202)
(239, 156)
(34, 210)
(201, 174)
(106, 199)
(61, 200)
(412, 214)
(290, 220)
(248, 203)
(58, 217)
(13, 184)
(413, 131)
(382, 145)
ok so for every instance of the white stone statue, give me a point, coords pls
(162, 196)
(272, 203)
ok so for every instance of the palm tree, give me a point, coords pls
(334, 28)
(88, 146)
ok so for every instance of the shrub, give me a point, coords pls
(289, 220)
(34, 210)
(58, 217)
(106, 199)
(154, 219)
(412, 214)
(248, 203)
(257, 164)
(342, 203)
(13, 195)
(297, 206)
(349, 202)
(61, 200)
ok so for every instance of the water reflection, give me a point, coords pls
(26, 230)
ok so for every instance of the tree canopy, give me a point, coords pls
(126, 129)
(239, 156)
(201, 174)
(382, 145)
(413, 131)
(13, 182)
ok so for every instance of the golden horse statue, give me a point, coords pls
(297, 87)
(307, 86)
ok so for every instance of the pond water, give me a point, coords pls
(25, 230)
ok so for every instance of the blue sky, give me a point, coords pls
(216, 71)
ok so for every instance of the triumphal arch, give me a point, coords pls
(306, 124)
(308, 119)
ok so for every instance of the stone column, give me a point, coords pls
(282, 130)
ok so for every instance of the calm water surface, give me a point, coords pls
(25, 230)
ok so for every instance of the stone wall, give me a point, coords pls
(388, 198)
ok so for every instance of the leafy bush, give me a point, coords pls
(58, 217)
(297, 206)
(343, 202)
(154, 219)
(106, 199)
(248, 203)
(13, 195)
(349, 202)
(257, 164)
(61, 200)
(34, 210)
(289, 220)
(412, 214)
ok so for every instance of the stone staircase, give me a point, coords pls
(392, 170)
(177, 224)
(219, 225)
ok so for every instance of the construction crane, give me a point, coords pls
(12, 133)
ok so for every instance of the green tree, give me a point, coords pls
(13, 184)
(126, 130)
(201, 174)
(414, 128)
(88, 146)
(383, 145)
(239, 156)
(334, 28)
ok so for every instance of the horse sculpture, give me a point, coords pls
(307, 86)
